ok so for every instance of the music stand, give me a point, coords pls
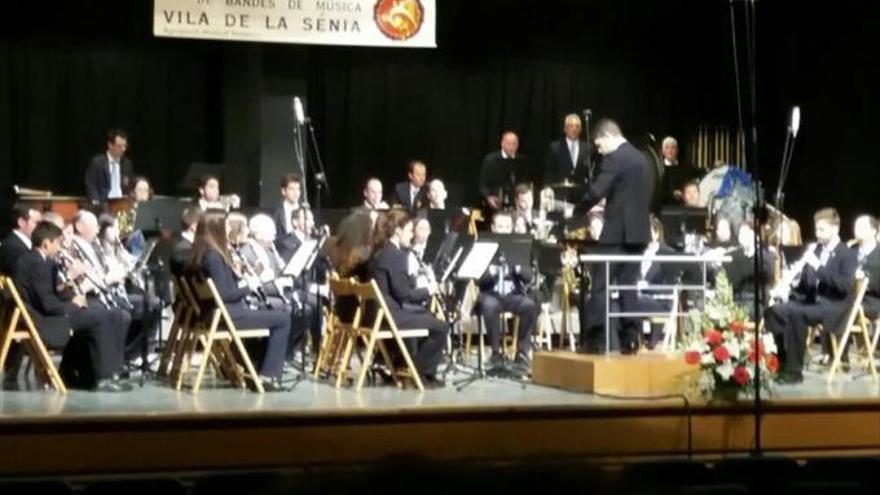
(302, 261)
(157, 214)
(471, 270)
(680, 220)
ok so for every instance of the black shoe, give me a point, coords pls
(274, 385)
(496, 361)
(432, 382)
(789, 377)
(521, 366)
(112, 386)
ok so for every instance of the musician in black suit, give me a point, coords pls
(412, 194)
(211, 259)
(56, 313)
(623, 181)
(389, 268)
(181, 250)
(820, 296)
(504, 287)
(291, 193)
(500, 172)
(652, 273)
(109, 174)
(568, 158)
(18, 241)
(868, 255)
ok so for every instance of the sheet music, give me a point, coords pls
(300, 259)
(478, 260)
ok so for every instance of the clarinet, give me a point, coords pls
(426, 272)
(259, 293)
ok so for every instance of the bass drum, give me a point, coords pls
(647, 144)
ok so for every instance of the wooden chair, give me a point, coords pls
(855, 322)
(218, 335)
(183, 315)
(337, 329)
(18, 326)
(383, 328)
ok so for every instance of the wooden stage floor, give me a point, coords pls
(156, 428)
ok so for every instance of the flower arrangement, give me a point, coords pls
(725, 349)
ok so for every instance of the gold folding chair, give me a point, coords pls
(18, 326)
(217, 335)
(383, 328)
(857, 324)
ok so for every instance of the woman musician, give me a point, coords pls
(211, 258)
(388, 267)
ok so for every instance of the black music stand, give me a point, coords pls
(302, 262)
(680, 220)
(159, 213)
(471, 270)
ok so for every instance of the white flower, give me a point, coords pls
(769, 343)
(707, 358)
(734, 348)
(725, 371)
(707, 381)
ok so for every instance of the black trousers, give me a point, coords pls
(95, 352)
(278, 323)
(593, 323)
(144, 319)
(428, 352)
(491, 305)
(788, 323)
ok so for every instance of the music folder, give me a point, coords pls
(301, 258)
(477, 260)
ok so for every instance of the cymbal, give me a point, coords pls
(564, 185)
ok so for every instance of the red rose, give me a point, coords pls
(741, 375)
(692, 357)
(713, 337)
(721, 354)
(759, 346)
(737, 327)
(752, 357)
(772, 363)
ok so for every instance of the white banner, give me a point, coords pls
(390, 23)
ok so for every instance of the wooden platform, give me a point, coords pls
(638, 375)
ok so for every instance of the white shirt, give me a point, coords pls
(189, 235)
(25, 239)
(573, 149)
(289, 208)
(504, 155)
(115, 179)
(413, 192)
(89, 250)
(669, 163)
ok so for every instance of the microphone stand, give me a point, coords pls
(588, 114)
(319, 173)
(751, 162)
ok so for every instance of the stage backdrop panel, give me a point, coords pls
(387, 23)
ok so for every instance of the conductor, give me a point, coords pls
(623, 181)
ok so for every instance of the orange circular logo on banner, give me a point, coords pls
(399, 19)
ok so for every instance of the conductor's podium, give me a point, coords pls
(643, 374)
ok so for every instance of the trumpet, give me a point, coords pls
(96, 286)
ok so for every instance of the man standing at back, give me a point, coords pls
(623, 181)
(109, 173)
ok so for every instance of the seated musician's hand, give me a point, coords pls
(860, 274)
(494, 202)
(80, 301)
(811, 259)
(76, 270)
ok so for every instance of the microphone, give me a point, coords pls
(795, 120)
(298, 113)
(588, 114)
